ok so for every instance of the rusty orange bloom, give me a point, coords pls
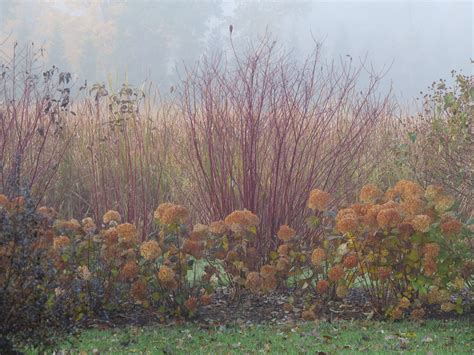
(138, 290)
(169, 213)
(267, 271)
(421, 223)
(335, 273)
(318, 256)
(193, 248)
(191, 304)
(241, 220)
(318, 200)
(417, 314)
(127, 233)
(350, 261)
(370, 193)
(61, 242)
(429, 266)
(284, 249)
(218, 228)
(431, 250)
(384, 272)
(253, 281)
(451, 227)
(388, 218)
(432, 192)
(166, 274)
(322, 286)
(129, 270)
(285, 233)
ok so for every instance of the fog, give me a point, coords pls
(111, 41)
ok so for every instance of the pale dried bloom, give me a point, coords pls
(404, 303)
(129, 270)
(322, 286)
(318, 200)
(88, 225)
(61, 242)
(318, 256)
(370, 193)
(127, 233)
(111, 216)
(84, 272)
(110, 236)
(46, 212)
(285, 233)
(150, 250)
(169, 213)
(254, 281)
(284, 249)
(421, 223)
(388, 218)
(347, 224)
(240, 221)
(336, 273)
(447, 307)
(444, 203)
(218, 228)
(432, 192)
(71, 225)
(459, 283)
(166, 274)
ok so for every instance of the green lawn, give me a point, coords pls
(430, 337)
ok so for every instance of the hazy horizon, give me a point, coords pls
(148, 40)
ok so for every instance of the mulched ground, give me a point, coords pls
(268, 309)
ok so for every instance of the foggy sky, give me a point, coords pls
(147, 40)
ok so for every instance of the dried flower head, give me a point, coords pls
(318, 256)
(429, 266)
(240, 221)
(110, 236)
(335, 273)
(451, 227)
(283, 264)
(129, 270)
(388, 218)
(169, 213)
(396, 313)
(408, 189)
(84, 272)
(193, 248)
(413, 206)
(391, 194)
(88, 225)
(350, 261)
(61, 242)
(71, 225)
(431, 250)
(269, 284)
(253, 281)
(191, 304)
(206, 299)
(201, 229)
(127, 233)
(267, 271)
(285, 233)
(432, 192)
(370, 193)
(421, 223)
(166, 274)
(444, 203)
(348, 224)
(322, 286)
(284, 249)
(218, 228)
(111, 216)
(318, 200)
(308, 315)
(404, 303)
(150, 250)
(44, 211)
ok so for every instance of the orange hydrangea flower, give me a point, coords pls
(285, 233)
(318, 200)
